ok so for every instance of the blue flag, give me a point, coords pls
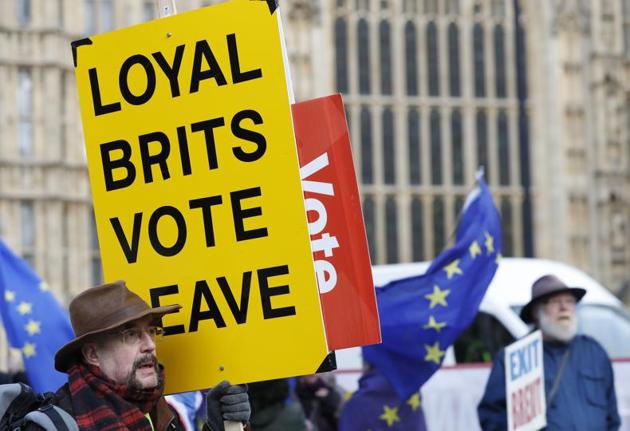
(422, 316)
(33, 320)
(375, 406)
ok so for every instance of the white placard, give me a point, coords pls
(525, 384)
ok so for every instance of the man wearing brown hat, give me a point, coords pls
(114, 379)
(579, 385)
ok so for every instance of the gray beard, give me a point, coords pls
(556, 331)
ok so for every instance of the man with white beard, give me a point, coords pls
(579, 384)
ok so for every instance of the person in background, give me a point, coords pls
(320, 399)
(274, 408)
(579, 384)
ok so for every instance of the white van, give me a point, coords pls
(450, 397)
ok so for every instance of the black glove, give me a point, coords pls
(229, 403)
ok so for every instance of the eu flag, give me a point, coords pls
(33, 320)
(422, 316)
(375, 406)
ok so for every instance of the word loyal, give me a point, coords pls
(204, 66)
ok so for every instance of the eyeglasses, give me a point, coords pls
(569, 302)
(134, 335)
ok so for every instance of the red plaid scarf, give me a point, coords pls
(100, 404)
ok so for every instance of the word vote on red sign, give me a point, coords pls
(335, 223)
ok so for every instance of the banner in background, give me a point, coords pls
(335, 222)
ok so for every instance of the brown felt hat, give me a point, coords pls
(101, 309)
(544, 287)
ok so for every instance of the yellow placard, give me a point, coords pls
(196, 188)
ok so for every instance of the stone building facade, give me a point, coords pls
(536, 91)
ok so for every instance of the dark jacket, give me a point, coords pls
(585, 399)
(163, 416)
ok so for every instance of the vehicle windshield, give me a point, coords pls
(610, 326)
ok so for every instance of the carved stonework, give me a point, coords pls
(304, 10)
(571, 16)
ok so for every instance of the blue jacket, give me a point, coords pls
(586, 396)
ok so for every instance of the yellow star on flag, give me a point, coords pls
(43, 286)
(347, 395)
(24, 308)
(390, 415)
(474, 249)
(9, 296)
(433, 324)
(33, 327)
(434, 353)
(438, 297)
(414, 402)
(29, 350)
(489, 243)
(452, 269)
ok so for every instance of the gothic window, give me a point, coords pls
(348, 121)
(459, 204)
(413, 134)
(25, 112)
(498, 8)
(385, 57)
(482, 142)
(341, 55)
(60, 13)
(457, 147)
(439, 230)
(436, 148)
(432, 60)
(417, 230)
(364, 56)
(389, 158)
(499, 61)
(478, 60)
(504, 148)
(370, 225)
(410, 6)
(62, 115)
(106, 15)
(363, 5)
(391, 233)
(431, 7)
(506, 227)
(98, 15)
(366, 146)
(477, 8)
(148, 10)
(452, 7)
(453, 60)
(24, 11)
(411, 59)
(626, 26)
(27, 214)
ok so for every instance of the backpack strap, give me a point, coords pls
(52, 418)
(16, 400)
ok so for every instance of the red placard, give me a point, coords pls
(335, 221)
